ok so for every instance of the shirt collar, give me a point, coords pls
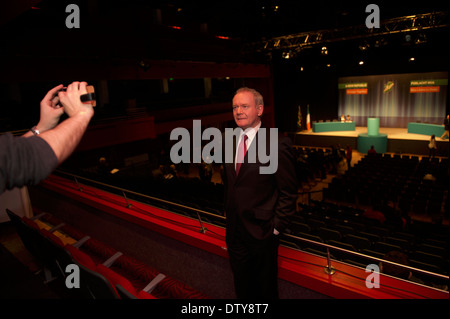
(250, 132)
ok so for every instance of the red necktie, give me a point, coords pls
(241, 153)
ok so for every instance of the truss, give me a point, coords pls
(300, 41)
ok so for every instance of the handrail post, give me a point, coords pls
(78, 184)
(202, 229)
(330, 270)
(126, 199)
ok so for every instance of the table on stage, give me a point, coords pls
(333, 126)
(426, 129)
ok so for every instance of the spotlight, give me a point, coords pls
(287, 55)
(364, 46)
(421, 39)
(144, 65)
(380, 42)
(361, 62)
(411, 59)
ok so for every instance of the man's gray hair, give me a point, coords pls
(258, 97)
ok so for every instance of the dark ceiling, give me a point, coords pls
(116, 38)
(184, 29)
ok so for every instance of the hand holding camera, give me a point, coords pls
(77, 98)
(89, 97)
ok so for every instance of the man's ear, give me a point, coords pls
(260, 109)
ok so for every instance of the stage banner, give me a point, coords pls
(396, 99)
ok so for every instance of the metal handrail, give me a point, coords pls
(328, 268)
(123, 191)
(366, 256)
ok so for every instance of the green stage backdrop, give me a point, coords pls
(396, 99)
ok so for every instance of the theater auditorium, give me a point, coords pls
(360, 92)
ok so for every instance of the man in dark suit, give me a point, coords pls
(258, 206)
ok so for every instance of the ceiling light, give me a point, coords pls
(286, 55)
(364, 46)
(421, 39)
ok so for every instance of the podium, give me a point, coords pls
(372, 137)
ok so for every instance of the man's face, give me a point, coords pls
(245, 111)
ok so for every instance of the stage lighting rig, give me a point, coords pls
(401, 25)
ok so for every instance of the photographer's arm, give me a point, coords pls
(28, 160)
(65, 137)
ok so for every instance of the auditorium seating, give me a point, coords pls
(315, 162)
(378, 179)
(347, 228)
(105, 272)
(373, 180)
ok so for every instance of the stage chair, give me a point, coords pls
(123, 286)
(431, 259)
(329, 234)
(23, 232)
(343, 229)
(403, 243)
(358, 242)
(297, 227)
(433, 250)
(384, 248)
(290, 244)
(339, 254)
(93, 284)
(40, 250)
(315, 224)
(55, 246)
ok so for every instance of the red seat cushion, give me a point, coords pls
(81, 257)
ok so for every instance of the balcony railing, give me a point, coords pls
(219, 221)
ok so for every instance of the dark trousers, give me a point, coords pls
(254, 264)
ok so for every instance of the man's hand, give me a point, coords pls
(50, 112)
(71, 101)
(65, 137)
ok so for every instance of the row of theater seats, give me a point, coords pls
(105, 273)
(376, 179)
(346, 227)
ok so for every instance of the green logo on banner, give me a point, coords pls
(388, 86)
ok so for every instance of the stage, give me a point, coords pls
(398, 140)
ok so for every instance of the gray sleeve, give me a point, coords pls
(24, 161)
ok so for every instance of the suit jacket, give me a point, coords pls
(261, 202)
